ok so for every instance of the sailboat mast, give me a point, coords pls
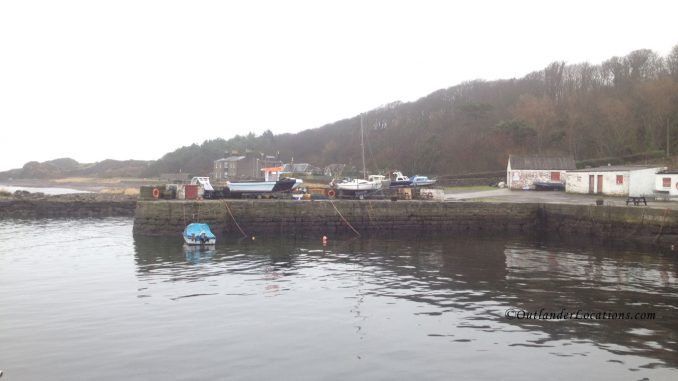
(362, 145)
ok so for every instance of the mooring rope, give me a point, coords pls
(234, 221)
(342, 217)
(369, 215)
(661, 227)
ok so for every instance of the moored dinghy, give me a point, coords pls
(199, 234)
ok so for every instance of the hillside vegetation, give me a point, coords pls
(67, 167)
(620, 110)
(617, 111)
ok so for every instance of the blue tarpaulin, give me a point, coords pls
(198, 229)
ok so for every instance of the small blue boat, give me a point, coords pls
(422, 181)
(199, 234)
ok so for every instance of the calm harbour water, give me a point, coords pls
(84, 300)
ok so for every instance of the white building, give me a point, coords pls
(615, 180)
(666, 182)
(523, 171)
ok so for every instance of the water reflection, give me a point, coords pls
(198, 254)
(469, 281)
(110, 307)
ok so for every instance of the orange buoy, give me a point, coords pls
(156, 193)
(331, 193)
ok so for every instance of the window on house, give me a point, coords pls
(555, 176)
(666, 182)
(620, 179)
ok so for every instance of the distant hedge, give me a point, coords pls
(617, 160)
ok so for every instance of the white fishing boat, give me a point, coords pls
(199, 234)
(282, 185)
(272, 183)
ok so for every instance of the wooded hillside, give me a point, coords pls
(620, 109)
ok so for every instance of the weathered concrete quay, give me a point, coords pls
(286, 217)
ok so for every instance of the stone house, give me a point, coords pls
(523, 171)
(247, 166)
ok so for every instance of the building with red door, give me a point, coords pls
(666, 184)
(614, 180)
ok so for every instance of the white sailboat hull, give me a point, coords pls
(359, 185)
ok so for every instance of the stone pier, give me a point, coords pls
(378, 217)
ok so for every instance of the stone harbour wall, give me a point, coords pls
(644, 225)
(257, 217)
(616, 224)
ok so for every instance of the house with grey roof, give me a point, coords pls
(614, 180)
(523, 171)
(226, 167)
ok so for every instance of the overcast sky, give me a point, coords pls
(136, 79)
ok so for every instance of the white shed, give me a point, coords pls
(523, 171)
(666, 182)
(614, 180)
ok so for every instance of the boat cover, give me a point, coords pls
(198, 229)
(204, 181)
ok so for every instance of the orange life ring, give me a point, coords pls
(156, 193)
(331, 193)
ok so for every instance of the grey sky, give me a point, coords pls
(135, 79)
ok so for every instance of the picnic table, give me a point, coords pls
(636, 200)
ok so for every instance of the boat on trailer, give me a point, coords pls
(272, 183)
(197, 234)
(422, 181)
(400, 180)
(282, 185)
(373, 183)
